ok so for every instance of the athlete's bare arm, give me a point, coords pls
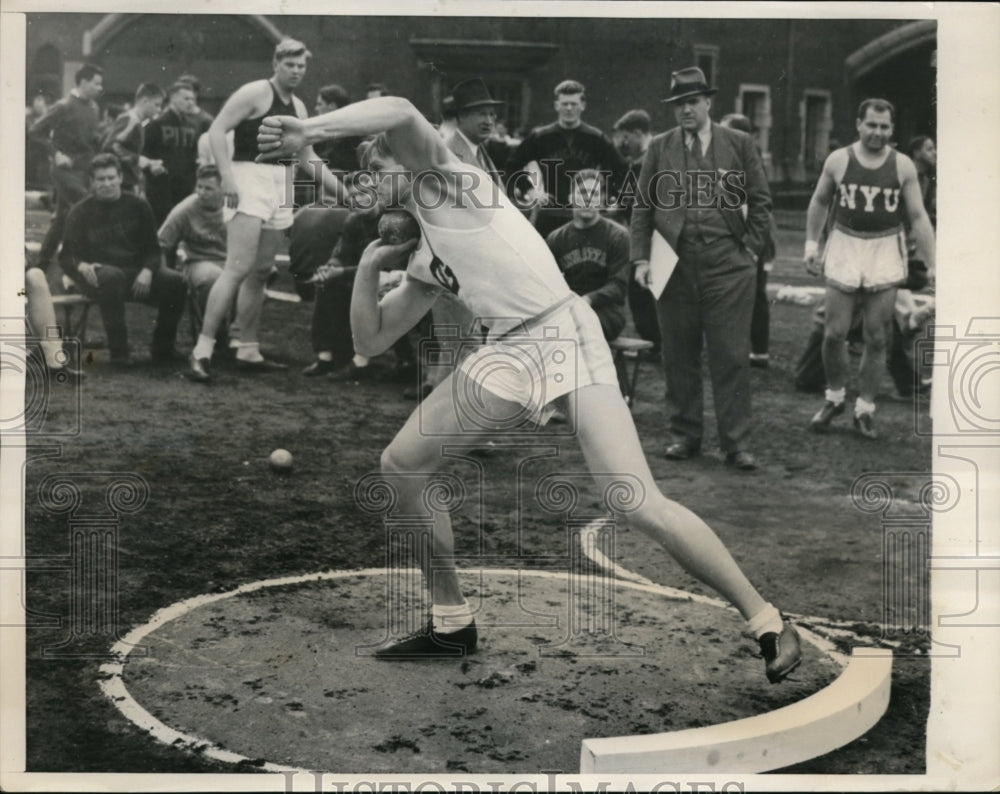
(414, 142)
(819, 205)
(246, 102)
(332, 186)
(913, 200)
(376, 324)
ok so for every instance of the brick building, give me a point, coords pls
(798, 80)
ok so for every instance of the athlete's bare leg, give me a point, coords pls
(250, 298)
(416, 453)
(839, 308)
(878, 314)
(611, 446)
(243, 235)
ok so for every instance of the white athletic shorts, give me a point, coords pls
(264, 190)
(853, 263)
(532, 366)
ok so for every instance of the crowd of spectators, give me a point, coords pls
(138, 214)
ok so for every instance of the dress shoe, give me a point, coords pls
(760, 360)
(320, 368)
(742, 459)
(262, 365)
(781, 653)
(198, 369)
(820, 422)
(680, 450)
(429, 644)
(865, 425)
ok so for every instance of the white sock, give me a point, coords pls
(863, 407)
(767, 620)
(324, 355)
(836, 396)
(360, 361)
(449, 618)
(249, 351)
(204, 347)
(55, 356)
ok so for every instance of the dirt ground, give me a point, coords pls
(217, 518)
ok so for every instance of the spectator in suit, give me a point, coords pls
(69, 132)
(711, 173)
(111, 252)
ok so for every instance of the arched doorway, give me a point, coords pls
(222, 51)
(901, 66)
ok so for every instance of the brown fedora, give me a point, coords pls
(472, 94)
(688, 82)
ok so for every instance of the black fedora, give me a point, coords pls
(688, 82)
(472, 94)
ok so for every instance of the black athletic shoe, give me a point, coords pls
(820, 422)
(865, 425)
(428, 644)
(781, 653)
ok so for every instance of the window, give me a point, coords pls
(754, 102)
(817, 121)
(706, 58)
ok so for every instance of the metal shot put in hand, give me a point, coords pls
(477, 244)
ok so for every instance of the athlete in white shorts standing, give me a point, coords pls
(865, 255)
(479, 246)
(261, 196)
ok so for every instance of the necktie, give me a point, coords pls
(696, 148)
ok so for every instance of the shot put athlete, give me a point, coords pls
(479, 246)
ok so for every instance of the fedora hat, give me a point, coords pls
(688, 82)
(472, 94)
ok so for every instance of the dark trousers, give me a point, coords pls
(642, 304)
(331, 321)
(708, 302)
(760, 324)
(114, 288)
(71, 185)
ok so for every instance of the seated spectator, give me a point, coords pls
(127, 136)
(42, 321)
(111, 252)
(326, 246)
(197, 224)
(593, 253)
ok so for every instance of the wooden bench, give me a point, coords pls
(625, 349)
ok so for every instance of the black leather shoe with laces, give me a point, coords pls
(781, 653)
(429, 644)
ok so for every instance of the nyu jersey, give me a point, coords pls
(868, 199)
(503, 272)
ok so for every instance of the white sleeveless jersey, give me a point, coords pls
(503, 272)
